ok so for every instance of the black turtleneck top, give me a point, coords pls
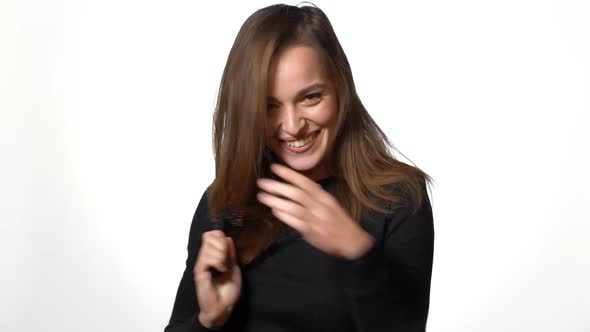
(296, 287)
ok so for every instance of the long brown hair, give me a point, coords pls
(366, 172)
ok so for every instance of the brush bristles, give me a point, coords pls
(236, 217)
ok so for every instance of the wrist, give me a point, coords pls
(360, 247)
(209, 323)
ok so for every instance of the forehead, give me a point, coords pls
(294, 68)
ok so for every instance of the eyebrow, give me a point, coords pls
(301, 92)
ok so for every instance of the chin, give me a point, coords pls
(300, 165)
(304, 163)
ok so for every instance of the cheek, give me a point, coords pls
(328, 116)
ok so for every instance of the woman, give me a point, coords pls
(332, 233)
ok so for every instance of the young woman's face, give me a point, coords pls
(301, 110)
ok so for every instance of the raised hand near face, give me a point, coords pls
(305, 206)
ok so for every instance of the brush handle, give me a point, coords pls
(218, 222)
(235, 217)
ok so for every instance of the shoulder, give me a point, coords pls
(414, 212)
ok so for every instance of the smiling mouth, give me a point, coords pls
(303, 141)
(301, 145)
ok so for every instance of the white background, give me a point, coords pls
(105, 128)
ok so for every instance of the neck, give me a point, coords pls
(318, 173)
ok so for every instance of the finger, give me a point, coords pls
(208, 252)
(215, 233)
(283, 205)
(301, 226)
(220, 248)
(296, 178)
(208, 249)
(204, 263)
(202, 279)
(215, 242)
(215, 253)
(285, 190)
(215, 261)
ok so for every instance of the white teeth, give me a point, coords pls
(300, 143)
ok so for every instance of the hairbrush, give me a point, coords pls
(231, 217)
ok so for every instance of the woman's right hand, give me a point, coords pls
(217, 295)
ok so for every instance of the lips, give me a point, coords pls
(304, 148)
(297, 139)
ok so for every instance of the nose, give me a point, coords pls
(292, 122)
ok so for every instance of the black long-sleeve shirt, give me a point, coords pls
(297, 287)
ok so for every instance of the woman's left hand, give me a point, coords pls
(305, 206)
